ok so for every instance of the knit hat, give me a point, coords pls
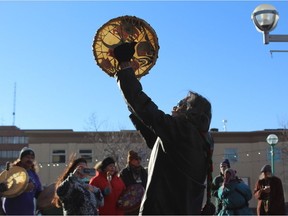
(26, 151)
(226, 161)
(266, 168)
(106, 162)
(133, 155)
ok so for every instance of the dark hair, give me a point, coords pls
(72, 166)
(198, 110)
(106, 162)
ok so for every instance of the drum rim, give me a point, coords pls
(45, 206)
(25, 183)
(117, 67)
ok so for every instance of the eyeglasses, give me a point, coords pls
(181, 104)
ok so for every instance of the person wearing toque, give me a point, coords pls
(134, 174)
(268, 192)
(24, 202)
(180, 142)
(217, 183)
(111, 185)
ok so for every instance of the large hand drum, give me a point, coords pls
(131, 198)
(126, 29)
(45, 198)
(16, 179)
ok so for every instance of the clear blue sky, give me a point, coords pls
(210, 47)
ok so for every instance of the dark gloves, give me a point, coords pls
(124, 52)
(208, 209)
(3, 187)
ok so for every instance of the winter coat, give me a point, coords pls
(275, 199)
(110, 198)
(178, 161)
(77, 199)
(127, 175)
(216, 184)
(234, 197)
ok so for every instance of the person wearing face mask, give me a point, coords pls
(74, 194)
(111, 186)
(24, 204)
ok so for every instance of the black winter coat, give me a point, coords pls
(178, 161)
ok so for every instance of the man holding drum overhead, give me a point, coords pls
(180, 144)
(23, 203)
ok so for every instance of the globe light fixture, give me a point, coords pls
(272, 140)
(265, 18)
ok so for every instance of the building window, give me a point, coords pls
(9, 154)
(87, 154)
(59, 156)
(13, 140)
(231, 154)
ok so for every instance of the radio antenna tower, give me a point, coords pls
(14, 105)
(224, 124)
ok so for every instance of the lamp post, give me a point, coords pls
(265, 18)
(272, 140)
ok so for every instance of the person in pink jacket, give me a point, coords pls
(111, 186)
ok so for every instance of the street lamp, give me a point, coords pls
(272, 140)
(265, 18)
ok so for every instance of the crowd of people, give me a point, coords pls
(180, 166)
(78, 192)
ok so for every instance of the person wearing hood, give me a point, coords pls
(111, 186)
(269, 193)
(180, 142)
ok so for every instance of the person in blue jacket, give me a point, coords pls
(234, 195)
(180, 143)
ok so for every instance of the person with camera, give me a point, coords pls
(110, 184)
(269, 193)
(180, 143)
(217, 183)
(73, 192)
(234, 195)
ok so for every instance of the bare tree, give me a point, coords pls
(117, 144)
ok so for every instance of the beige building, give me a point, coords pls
(247, 151)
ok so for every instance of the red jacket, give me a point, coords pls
(110, 201)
